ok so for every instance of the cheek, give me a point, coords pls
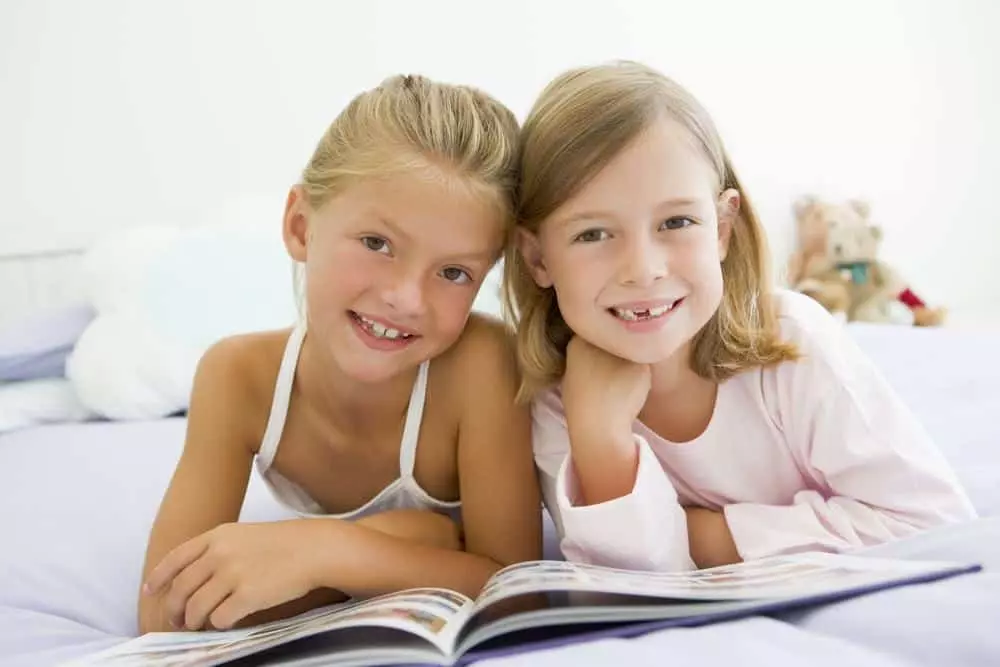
(581, 272)
(341, 273)
(580, 279)
(451, 307)
(700, 259)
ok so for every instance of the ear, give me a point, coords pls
(803, 204)
(729, 216)
(295, 226)
(860, 207)
(531, 250)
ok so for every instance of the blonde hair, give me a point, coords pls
(410, 122)
(582, 120)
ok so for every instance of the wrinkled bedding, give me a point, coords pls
(78, 500)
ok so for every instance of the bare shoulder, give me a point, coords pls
(237, 376)
(484, 352)
(482, 360)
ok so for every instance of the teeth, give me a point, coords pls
(632, 315)
(381, 331)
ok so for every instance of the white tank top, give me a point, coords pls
(404, 492)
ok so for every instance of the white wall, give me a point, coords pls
(116, 113)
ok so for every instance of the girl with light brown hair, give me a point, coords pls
(686, 412)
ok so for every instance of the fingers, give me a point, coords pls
(182, 588)
(230, 612)
(174, 563)
(204, 602)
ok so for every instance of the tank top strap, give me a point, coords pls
(282, 396)
(411, 428)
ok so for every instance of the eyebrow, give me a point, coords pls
(467, 256)
(398, 231)
(606, 215)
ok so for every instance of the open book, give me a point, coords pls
(526, 605)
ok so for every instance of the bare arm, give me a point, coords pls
(710, 540)
(608, 494)
(501, 501)
(417, 526)
(605, 465)
(211, 477)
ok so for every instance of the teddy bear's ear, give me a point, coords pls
(861, 207)
(803, 204)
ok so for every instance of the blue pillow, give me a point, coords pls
(38, 347)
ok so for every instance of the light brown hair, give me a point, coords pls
(580, 122)
(410, 122)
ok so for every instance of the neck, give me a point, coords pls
(680, 402)
(349, 403)
(674, 376)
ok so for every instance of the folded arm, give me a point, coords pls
(873, 473)
(644, 528)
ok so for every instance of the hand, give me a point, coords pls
(710, 541)
(602, 393)
(234, 570)
(420, 526)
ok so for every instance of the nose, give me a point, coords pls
(405, 294)
(642, 263)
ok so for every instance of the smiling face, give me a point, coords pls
(634, 257)
(392, 267)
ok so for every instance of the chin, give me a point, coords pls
(369, 366)
(647, 354)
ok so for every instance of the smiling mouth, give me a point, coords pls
(379, 330)
(640, 315)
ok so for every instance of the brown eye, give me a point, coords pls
(677, 223)
(375, 243)
(591, 236)
(456, 275)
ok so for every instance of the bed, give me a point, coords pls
(82, 471)
(78, 500)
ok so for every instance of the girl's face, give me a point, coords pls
(635, 256)
(392, 267)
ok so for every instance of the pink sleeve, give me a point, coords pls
(644, 530)
(877, 475)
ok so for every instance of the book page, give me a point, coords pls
(577, 595)
(766, 578)
(431, 614)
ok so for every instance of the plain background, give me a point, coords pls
(116, 113)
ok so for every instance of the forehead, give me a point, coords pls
(663, 162)
(426, 206)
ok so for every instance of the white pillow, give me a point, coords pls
(35, 402)
(163, 295)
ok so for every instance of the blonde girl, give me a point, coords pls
(384, 421)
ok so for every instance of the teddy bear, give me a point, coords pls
(863, 288)
(813, 219)
(837, 264)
